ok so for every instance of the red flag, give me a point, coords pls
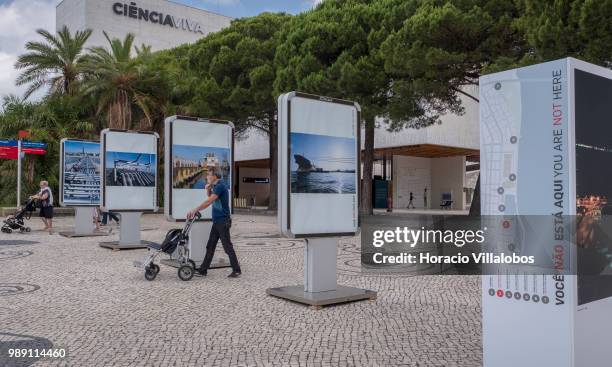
(23, 134)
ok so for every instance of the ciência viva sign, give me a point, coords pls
(133, 11)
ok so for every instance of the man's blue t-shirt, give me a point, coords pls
(220, 207)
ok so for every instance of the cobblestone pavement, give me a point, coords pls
(91, 301)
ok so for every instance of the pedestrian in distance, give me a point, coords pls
(411, 201)
(45, 199)
(106, 215)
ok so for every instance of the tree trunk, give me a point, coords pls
(273, 148)
(31, 164)
(120, 112)
(368, 165)
(126, 111)
(475, 207)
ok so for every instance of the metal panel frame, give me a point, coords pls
(168, 160)
(103, 171)
(287, 183)
(61, 174)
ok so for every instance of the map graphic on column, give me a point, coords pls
(521, 167)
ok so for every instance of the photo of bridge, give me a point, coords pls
(191, 163)
(81, 173)
(130, 169)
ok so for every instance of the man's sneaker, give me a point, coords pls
(199, 273)
(234, 274)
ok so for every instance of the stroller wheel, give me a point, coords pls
(28, 229)
(7, 230)
(150, 274)
(193, 265)
(155, 268)
(186, 272)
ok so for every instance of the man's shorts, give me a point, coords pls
(46, 212)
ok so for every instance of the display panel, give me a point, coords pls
(318, 166)
(593, 190)
(130, 170)
(193, 147)
(79, 173)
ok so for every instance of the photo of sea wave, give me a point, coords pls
(323, 182)
(323, 164)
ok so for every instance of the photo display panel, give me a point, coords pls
(193, 148)
(320, 144)
(79, 173)
(129, 178)
(593, 97)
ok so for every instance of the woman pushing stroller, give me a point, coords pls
(45, 198)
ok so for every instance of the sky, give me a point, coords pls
(194, 153)
(326, 152)
(143, 162)
(19, 20)
(77, 147)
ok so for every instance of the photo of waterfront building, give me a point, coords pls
(190, 164)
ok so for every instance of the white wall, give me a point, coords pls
(454, 131)
(254, 145)
(259, 191)
(448, 175)
(71, 13)
(98, 15)
(439, 175)
(411, 174)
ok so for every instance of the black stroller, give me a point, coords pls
(175, 239)
(16, 221)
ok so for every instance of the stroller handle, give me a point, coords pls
(190, 221)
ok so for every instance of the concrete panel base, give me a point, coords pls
(129, 233)
(117, 245)
(317, 300)
(83, 224)
(74, 234)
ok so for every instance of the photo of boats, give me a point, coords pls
(190, 164)
(130, 169)
(81, 171)
(322, 164)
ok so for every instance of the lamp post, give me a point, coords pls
(19, 173)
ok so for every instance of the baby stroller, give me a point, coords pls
(16, 221)
(175, 239)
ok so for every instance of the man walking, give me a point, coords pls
(218, 197)
(410, 201)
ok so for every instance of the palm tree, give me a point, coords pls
(55, 117)
(55, 63)
(124, 85)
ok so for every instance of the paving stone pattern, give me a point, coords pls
(92, 302)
